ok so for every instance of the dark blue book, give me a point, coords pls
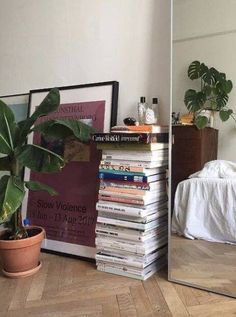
(132, 178)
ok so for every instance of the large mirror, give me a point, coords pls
(202, 244)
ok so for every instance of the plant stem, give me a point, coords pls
(18, 230)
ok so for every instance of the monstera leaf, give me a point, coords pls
(221, 100)
(61, 129)
(195, 70)
(194, 100)
(11, 196)
(209, 75)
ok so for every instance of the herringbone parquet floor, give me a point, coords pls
(68, 287)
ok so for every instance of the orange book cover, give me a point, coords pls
(141, 128)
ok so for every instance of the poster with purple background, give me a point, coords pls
(70, 217)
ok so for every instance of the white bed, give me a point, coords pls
(205, 208)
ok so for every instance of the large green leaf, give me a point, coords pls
(37, 186)
(50, 103)
(61, 129)
(5, 164)
(201, 122)
(39, 159)
(227, 86)
(11, 196)
(208, 75)
(7, 129)
(225, 114)
(194, 70)
(194, 100)
(221, 100)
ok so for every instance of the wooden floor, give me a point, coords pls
(68, 287)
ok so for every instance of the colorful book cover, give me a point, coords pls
(148, 172)
(141, 128)
(128, 165)
(133, 191)
(132, 177)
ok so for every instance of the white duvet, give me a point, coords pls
(205, 208)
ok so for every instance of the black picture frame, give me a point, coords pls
(104, 97)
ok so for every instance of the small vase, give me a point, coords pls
(212, 119)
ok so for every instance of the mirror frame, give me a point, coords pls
(170, 180)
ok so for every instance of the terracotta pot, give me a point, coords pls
(21, 257)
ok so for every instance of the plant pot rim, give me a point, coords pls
(12, 244)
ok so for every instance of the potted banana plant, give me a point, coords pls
(20, 245)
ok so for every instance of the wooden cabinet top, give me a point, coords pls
(192, 132)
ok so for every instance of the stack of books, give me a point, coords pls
(131, 229)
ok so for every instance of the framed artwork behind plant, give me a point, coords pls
(18, 104)
(70, 217)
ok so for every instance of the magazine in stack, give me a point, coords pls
(131, 229)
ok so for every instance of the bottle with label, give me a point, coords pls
(142, 106)
(151, 114)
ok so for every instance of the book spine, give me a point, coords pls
(120, 172)
(124, 177)
(132, 191)
(120, 167)
(140, 138)
(141, 156)
(122, 164)
(141, 128)
(123, 210)
(142, 196)
(127, 168)
(117, 222)
(124, 184)
(122, 200)
(133, 225)
(132, 147)
(118, 260)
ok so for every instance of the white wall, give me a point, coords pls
(47, 43)
(205, 30)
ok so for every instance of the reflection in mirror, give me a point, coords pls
(203, 228)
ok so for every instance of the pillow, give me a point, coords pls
(217, 169)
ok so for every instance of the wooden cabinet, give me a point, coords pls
(191, 149)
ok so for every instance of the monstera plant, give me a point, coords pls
(17, 154)
(213, 94)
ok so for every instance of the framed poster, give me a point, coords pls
(70, 217)
(18, 104)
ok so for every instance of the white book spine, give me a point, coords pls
(134, 225)
(135, 247)
(128, 210)
(129, 259)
